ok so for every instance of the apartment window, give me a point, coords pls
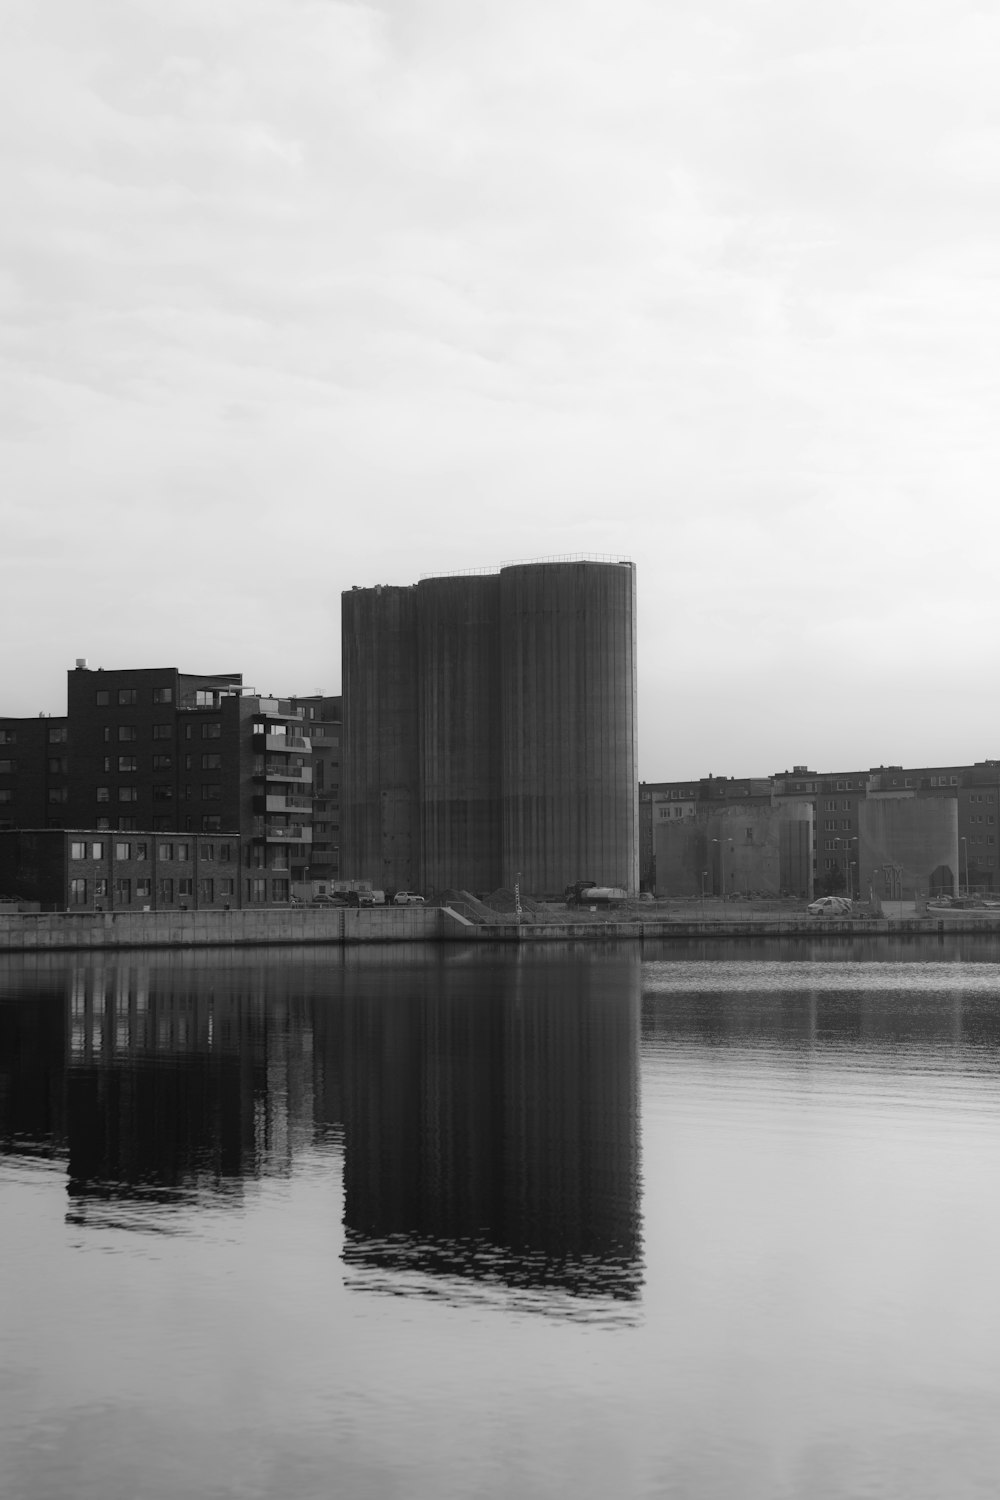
(123, 851)
(211, 731)
(908, 781)
(846, 806)
(128, 763)
(57, 734)
(211, 823)
(185, 886)
(126, 732)
(206, 889)
(107, 765)
(163, 792)
(127, 825)
(104, 794)
(142, 850)
(226, 853)
(165, 851)
(78, 851)
(211, 762)
(204, 698)
(165, 886)
(126, 697)
(954, 781)
(7, 767)
(106, 732)
(991, 838)
(831, 807)
(162, 762)
(163, 695)
(6, 795)
(100, 889)
(57, 765)
(58, 794)
(211, 791)
(258, 889)
(128, 794)
(845, 823)
(102, 823)
(279, 890)
(208, 851)
(97, 850)
(123, 891)
(143, 888)
(226, 887)
(182, 851)
(162, 731)
(102, 698)
(77, 892)
(8, 736)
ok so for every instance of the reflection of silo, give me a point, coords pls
(459, 708)
(569, 770)
(380, 773)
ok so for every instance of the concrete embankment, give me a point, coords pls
(31, 932)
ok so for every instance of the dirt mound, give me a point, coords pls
(502, 900)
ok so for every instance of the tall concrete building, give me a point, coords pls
(490, 729)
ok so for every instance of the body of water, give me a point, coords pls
(437, 1222)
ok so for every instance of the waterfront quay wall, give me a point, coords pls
(30, 932)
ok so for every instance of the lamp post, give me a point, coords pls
(964, 841)
(847, 863)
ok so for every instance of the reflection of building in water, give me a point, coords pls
(493, 1133)
(187, 1082)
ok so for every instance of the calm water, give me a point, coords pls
(438, 1223)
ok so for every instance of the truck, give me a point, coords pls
(589, 893)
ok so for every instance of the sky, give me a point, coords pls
(297, 295)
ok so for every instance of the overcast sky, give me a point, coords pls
(299, 294)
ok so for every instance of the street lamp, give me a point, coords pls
(847, 862)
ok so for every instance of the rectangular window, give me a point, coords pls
(165, 888)
(126, 732)
(258, 889)
(212, 731)
(143, 888)
(211, 823)
(102, 698)
(163, 695)
(163, 792)
(123, 851)
(279, 890)
(142, 850)
(123, 891)
(182, 851)
(226, 853)
(57, 734)
(206, 889)
(211, 791)
(162, 762)
(104, 794)
(6, 795)
(8, 767)
(57, 765)
(204, 698)
(127, 825)
(162, 731)
(126, 697)
(128, 794)
(165, 851)
(100, 888)
(78, 851)
(185, 886)
(226, 887)
(102, 823)
(77, 892)
(211, 762)
(128, 763)
(8, 736)
(97, 849)
(58, 794)
(208, 851)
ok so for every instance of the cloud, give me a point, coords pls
(299, 295)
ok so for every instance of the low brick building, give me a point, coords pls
(99, 870)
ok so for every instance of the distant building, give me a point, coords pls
(490, 726)
(749, 848)
(34, 773)
(100, 870)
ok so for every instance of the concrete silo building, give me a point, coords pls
(490, 729)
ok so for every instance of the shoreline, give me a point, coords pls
(31, 932)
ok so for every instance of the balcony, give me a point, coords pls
(286, 742)
(275, 802)
(279, 771)
(289, 833)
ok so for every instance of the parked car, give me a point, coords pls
(407, 898)
(831, 906)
